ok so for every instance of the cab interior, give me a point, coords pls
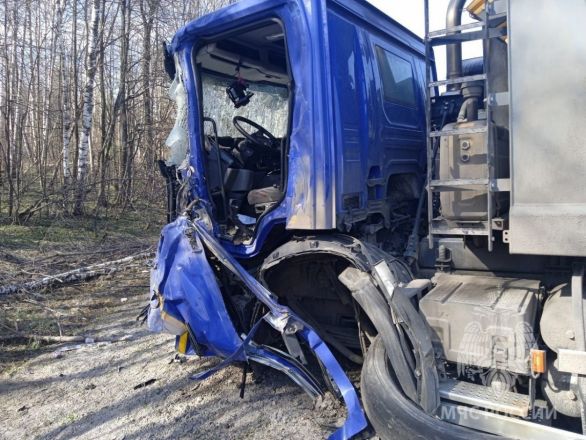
(245, 87)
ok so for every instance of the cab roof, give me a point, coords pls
(215, 22)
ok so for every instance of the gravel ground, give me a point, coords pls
(90, 391)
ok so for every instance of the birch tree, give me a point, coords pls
(88, 107)
(65, 106)
(54, 54)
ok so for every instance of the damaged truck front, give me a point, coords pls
(298, 145)
(309, 135)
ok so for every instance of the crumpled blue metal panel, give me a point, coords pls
(184, 278)
(356, 420)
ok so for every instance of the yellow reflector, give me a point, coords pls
(182, 345)
(538, 361)
(476, 7)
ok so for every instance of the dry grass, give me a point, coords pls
(49, 247)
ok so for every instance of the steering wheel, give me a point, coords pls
(262, 137)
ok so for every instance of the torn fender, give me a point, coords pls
(184, 289)
(384, 288)
(186, 300)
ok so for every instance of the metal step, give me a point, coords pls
(463, 79)
(442, 226)
(494, 20)
(480, 396)
(459, 185)
(455, 29)
(458, 131)
(468, 36)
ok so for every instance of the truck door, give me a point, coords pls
(401, 130)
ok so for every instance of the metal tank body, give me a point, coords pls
(547, 58)
(464, 157)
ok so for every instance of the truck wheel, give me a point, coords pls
(392, 415)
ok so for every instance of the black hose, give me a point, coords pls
(220, 169)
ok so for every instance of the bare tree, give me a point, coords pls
(148, 10)
(125, 145)
(88, 107)
(61, 63)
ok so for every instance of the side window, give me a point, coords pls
(397, 78)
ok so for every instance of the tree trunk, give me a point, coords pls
(65, 103)
(66, 135)
(75, 275)
(75, 94)
(125, 145)
(7, 107)
(148, 17)
(104, 156)
(87, 112)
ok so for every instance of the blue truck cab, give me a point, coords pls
(297, 153)
(338, 88)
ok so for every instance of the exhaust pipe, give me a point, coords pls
(454, 51)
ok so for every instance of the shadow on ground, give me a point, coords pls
(89, 391)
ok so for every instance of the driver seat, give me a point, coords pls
(261, 197)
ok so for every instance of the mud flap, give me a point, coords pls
(186, 290)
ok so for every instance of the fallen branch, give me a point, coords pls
(53, 339)
(110, 250)
(75, 275)
(15, 334)
(25, 215)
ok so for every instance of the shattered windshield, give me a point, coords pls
(269, 106)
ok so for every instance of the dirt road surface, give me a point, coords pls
(91, 391)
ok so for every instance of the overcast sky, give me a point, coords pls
(410, 14)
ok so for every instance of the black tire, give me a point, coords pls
(392, 415)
